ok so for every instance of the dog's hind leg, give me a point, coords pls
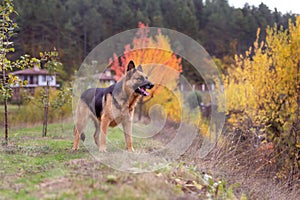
(105, 121)
(82, 114)
(97, 131)
(76, 139)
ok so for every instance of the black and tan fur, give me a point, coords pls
(111, 106)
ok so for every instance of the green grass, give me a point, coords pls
(30, 159)
(33, 167)
(11, 108)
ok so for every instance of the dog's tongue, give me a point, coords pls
(144, 92)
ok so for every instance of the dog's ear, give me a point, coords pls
(130, 66)
(139, 68)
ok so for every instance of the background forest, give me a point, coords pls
(75, 27)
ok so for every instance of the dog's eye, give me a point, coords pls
(141, 78)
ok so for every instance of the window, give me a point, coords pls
(31, 80)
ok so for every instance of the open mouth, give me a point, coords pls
(143, 89)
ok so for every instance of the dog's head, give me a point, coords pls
(137, 80)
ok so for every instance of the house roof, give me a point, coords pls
(103, 76)
(33, 71)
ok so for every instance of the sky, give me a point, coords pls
(282, 6)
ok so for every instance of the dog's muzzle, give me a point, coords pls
(142, 89)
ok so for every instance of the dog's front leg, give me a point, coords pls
(127, 128)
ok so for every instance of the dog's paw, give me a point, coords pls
(75, 148)
(102, 150)
(130, 149)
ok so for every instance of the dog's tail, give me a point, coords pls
(82, 137)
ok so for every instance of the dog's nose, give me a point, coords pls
(150, 86)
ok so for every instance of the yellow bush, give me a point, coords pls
(262, 90)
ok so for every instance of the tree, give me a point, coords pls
(52, 66)
(7, 31)
(262, 92)
(180, 15)
(62, 102)
(159, 62)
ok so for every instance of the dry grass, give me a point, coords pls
(243, 163)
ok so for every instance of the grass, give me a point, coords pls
(30, 159)
(33, 167)
(11, 108)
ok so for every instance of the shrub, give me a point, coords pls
(194, 99)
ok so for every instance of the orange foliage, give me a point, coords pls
(162, 66)
(146, 50)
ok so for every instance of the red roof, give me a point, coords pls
(33, 71)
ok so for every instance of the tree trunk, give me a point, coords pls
(6, 121)
(5, 107)
(46, 107)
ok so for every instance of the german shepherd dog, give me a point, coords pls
(111, 106)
